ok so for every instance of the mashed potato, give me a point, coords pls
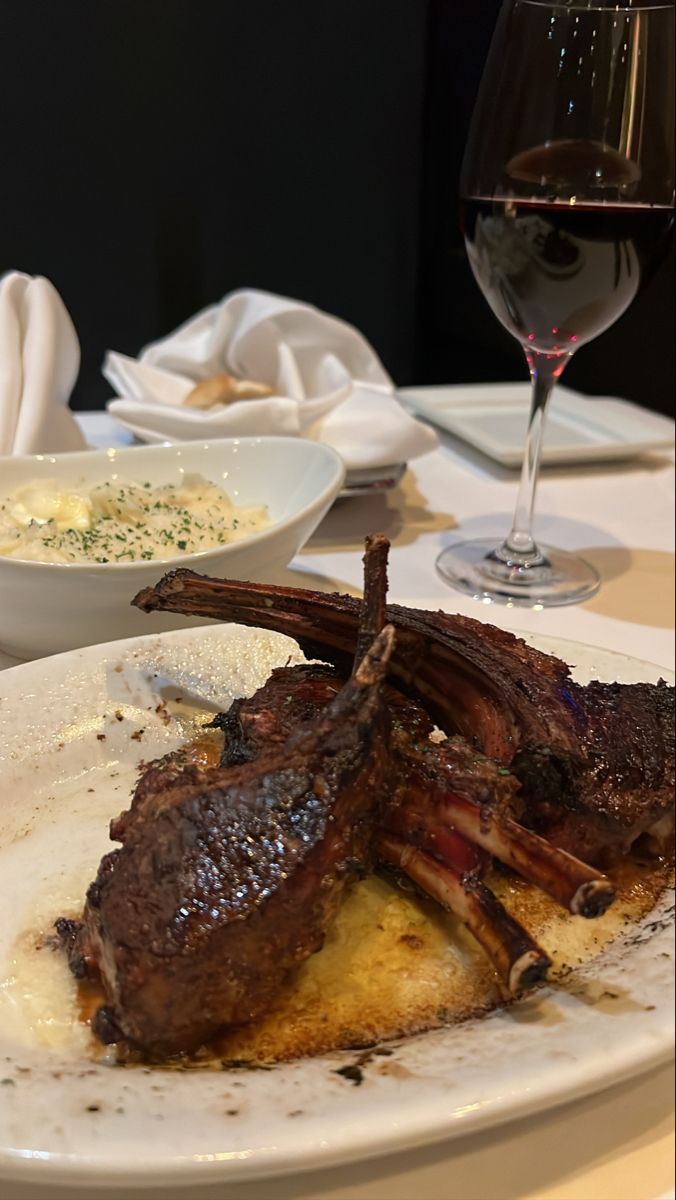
(120, 521)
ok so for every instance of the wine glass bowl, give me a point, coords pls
(567, 203)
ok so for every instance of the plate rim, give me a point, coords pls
(87, 1170)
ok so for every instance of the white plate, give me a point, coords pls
(65, 1119)
(493, 418)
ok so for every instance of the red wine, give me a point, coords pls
(557, 273)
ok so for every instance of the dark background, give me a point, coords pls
(158, 153)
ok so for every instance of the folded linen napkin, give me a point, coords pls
(39, 361)
(327, 382)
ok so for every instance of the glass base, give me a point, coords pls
(477, 569)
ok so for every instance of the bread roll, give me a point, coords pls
(225, 389)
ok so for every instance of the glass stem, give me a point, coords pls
(520, 547)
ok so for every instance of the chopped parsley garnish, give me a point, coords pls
(133, 522)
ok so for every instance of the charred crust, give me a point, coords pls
(357, 868)
(71, 935)
(105, 1026)
(236, 748)
(67, 931)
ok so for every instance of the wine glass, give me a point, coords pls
(567, 201)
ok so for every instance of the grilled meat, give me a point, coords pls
(445, 808)
(596, 762)
(229, 878)
(617, 784)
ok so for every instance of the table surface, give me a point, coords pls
(618, 1145)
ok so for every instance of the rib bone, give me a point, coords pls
(517, 958)
(579, 888)
(596, 762)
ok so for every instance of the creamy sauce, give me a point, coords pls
(392, 965)
(121, 521)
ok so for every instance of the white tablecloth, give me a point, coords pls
(618, 1145)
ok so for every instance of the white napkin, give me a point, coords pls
(328, 381)
(39, 361)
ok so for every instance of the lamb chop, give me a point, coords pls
(445, 811)
(596, 762)
(196, 921)
(228, 878)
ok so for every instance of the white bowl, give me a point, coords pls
(49, 607)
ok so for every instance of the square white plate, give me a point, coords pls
(493, 418)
